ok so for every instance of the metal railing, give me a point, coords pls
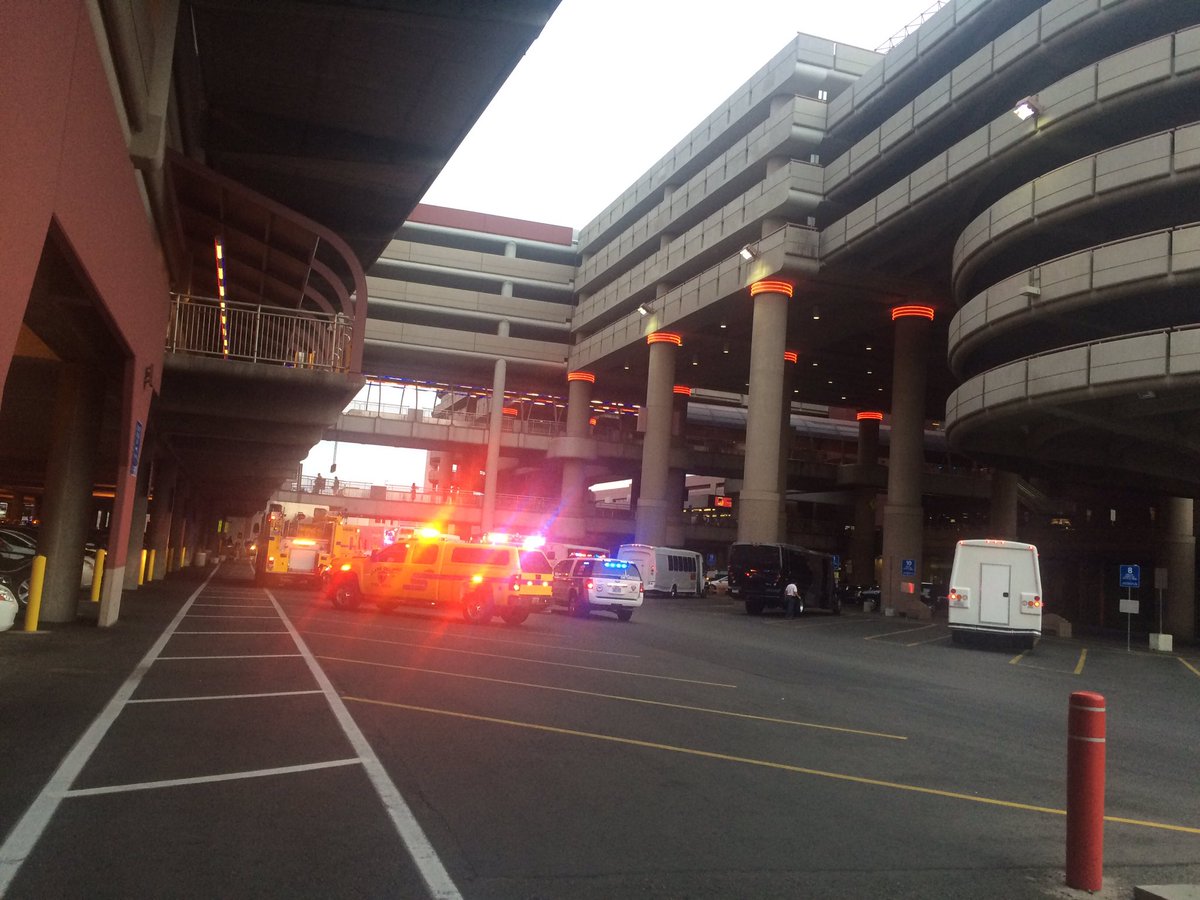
(202, 326)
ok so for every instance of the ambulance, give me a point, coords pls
(431, 570)
(995, 589)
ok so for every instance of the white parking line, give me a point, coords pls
(223, 696)
(25, 835)
(238, 656)
(209, 779)
(231, 632)
(218, 616)
(436, 878)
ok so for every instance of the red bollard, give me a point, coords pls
(1085, 791)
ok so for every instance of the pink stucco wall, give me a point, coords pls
(63, 158)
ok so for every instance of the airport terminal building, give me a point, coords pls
(893, 299)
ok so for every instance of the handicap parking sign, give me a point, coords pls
(1131, 576)
(908, 568)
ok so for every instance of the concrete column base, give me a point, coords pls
(651, 521)
(110, 596)
(1163, 642)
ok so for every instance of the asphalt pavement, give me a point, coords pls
(222, 740)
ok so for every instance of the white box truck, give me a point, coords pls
(996, 589)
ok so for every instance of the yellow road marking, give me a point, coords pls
(940, 637)
(1016, 660)
(476, 637)
(1079, 665)
(785, 767)
(525, 659)
(1195, 671)
(548, 687)
(883, 634)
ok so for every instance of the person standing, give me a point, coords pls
(319, 484)
(792, 597)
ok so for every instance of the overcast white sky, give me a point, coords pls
(611, 86)
(608, 88)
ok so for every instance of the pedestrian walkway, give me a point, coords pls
(202, 752)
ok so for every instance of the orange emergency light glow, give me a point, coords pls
(912, 311)
(304, 542)
(664, 337)
(428, 532)
(768, 286)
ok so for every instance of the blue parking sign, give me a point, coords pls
(1131, 576)
(908, 568)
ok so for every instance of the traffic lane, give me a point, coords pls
(1042, 773)
(525, 808)
(981, 750)
(513, 698)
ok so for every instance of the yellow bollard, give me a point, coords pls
(182, 558)
(142, 569)
(150, 567)
(98, 575)
(36, 579)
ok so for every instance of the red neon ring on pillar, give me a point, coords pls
(664, 337)
(509, 411)
(790, 356)
(869, 417)
(682, 390)
(774, 287)
(904, 312)
(589, 377)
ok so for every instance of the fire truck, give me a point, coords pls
(296, 545)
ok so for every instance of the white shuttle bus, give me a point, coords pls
(666, 570)
(996, 588)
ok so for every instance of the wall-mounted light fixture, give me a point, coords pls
(643, 309)
(725, 349)
(748, 252)
(816, 312)
(1027, 108)
(722, 323)
(695, 359)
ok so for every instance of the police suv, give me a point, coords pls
(583, 584)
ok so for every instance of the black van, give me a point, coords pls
(758, 574)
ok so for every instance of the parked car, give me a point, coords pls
(18, 547)
(8, 608)
(16, 565)
(582, 585)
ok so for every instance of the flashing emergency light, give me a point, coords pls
(534, 542)
(496, 537)
(428, 532)
(346, 567)
(476, 579)
(304, 542)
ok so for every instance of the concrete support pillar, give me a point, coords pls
(579, 413)
(862, 546)
(1179, 553)
(137, 526)
(491, 472)
(66, 505)
(164, 477)
(785, 436)
(1004, 505)
(903, 516)
(179, 525)
(653, 506)
(761, 498)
